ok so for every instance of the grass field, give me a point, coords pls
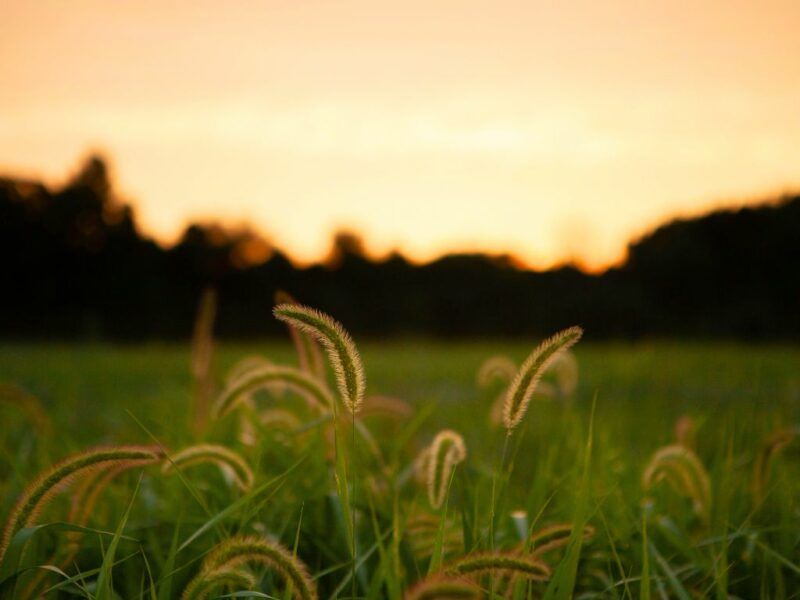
(577, 460)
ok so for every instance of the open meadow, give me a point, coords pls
(560, 508)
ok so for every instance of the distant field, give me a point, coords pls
(736, 396)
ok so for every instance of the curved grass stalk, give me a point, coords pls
(527, 567)
(200, 588)
(228, 460)
(342, 352)
(314, 391)
(438, 587)
(770, 449)
(57, 477)
(309, 354)
(682, 469)
(240, 550)
(28, 405)
(445, 452)
(527, 378)
(496, 368)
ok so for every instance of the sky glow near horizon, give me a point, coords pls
(553, 132)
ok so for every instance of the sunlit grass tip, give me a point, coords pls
(226, 459)
(342, 352)
(521, 390)
(38, 493)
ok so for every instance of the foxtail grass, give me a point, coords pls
(770, 449)
(309, 355)
(28, 404)
(439, 587)
(36, 496)
(225, 458)
(438, 461)
(686, 431)
(527, 567)
(240, 550)
(342, 352)
(552, 537)
(201, 588)
(682, 470)
(496, 368)
(315, 392)
(521, 390)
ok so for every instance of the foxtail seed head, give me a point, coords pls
(555, 536)
(496, 368)
(338, 344)
(771, 448)
(201, 586)
(445, 452)
(682, 469)
(239, 550)
(228, 460)
(57, 477)
(527, 567)
(521, 389)
(309, 354)
(308, 386)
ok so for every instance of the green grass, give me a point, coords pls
(556, 472)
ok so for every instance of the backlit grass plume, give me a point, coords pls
(437, 462)
(227, 460)
(496, 368)
(770, 449)
(309, 354)
(311, 388)
(521, 389)
(338, 344)
(200, 588)
(57, 477)
(439, 587)
(684, 472)
(240, 550)
(527, 567)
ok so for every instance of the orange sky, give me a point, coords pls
(551, 130)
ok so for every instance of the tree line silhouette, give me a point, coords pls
(76, 265)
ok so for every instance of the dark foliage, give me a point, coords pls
(76, 266)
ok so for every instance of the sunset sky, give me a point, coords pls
(552, 130)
